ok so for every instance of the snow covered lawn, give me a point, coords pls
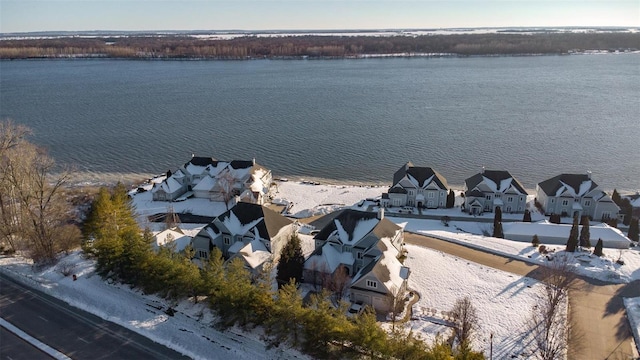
(189, 331)
(503, 300)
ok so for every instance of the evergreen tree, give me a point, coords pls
(585, 241)
(598, 250)
(633, 230)
(451, 199)
(291, 262)
(535, 242)
(616, 197)
(554, 219)
(572, 242)
(527, 216)
(285, 323)
(497, 223)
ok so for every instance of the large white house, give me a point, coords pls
(207, 178)
(575, 195)
(364, 247)
(489, 189)
(416, 186)
(251, 232)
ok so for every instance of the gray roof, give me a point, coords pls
(494, 175)
(270, 224)
(350, 218)
(422, 174)
(551, 186)
(205, 161)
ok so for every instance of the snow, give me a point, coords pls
(633, 314)
(362, 228)
(441, 279)
(397, 272)
(255, 253)
(179, 239)
(559, 233)
(190, 331)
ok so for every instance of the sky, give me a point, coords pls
(62, 15)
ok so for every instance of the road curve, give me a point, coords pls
(597, 314)
(71, 331)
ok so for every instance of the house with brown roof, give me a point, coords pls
(572, 195)
(416, 186)
(251, 232)
(364, 247)
(208, 178)
(489, 189)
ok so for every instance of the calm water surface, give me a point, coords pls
(344, 120)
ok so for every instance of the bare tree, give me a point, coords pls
(548, 322)
(338, 282)
(225, 182)
(395, 303)
(32, 202)
(465, 321)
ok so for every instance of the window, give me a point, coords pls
(498, 196)
(553, 200)
(488, 197)
(508, 209)
(565, 202)
(410, 192)
(606, 215)
(226, 240)
(431, 195)
(587, 203)
(372, 284)
(510, 199)
(521, 198)
(359, 255)
(576, 200)
(202, 254)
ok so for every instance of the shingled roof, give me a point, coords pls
(497, 177)
(270, 224)
(421, 174)
(349, 220)
(579, 183)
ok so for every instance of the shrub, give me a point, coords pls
(535, 241)
(542, 249)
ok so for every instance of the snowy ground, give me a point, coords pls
(494, 293)
(503, 300)
(189, 331)
(633, 313)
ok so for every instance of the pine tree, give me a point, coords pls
(598, 250)
(527, 216)
(572, 242)
(291, 262)
(616, 197)
(451, 199)
(497, 223)
(633, 230)
(585, 241)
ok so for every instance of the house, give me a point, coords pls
(489, 189)
(575, 195)
(362, 247)
(207, 178)
(414, 186)
(634, 200)
(173, 237)
(251, 232)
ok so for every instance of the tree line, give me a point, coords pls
(314, 46)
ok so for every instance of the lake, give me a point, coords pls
(337, 120)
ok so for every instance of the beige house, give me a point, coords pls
(489, 189)
(364, 247)
(207, 178)
(252, 232)
(415, 186)
(572, 195)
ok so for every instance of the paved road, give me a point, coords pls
(597, 310)
(15, 348)
(71, 331)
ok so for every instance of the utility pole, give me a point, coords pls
(491, 347)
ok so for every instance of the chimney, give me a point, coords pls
(253, 161)
(380, 213)
(589, 174)
(483, 169)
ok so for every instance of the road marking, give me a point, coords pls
(33, 341)
(43, 318)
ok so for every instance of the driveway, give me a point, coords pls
(597, 314)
